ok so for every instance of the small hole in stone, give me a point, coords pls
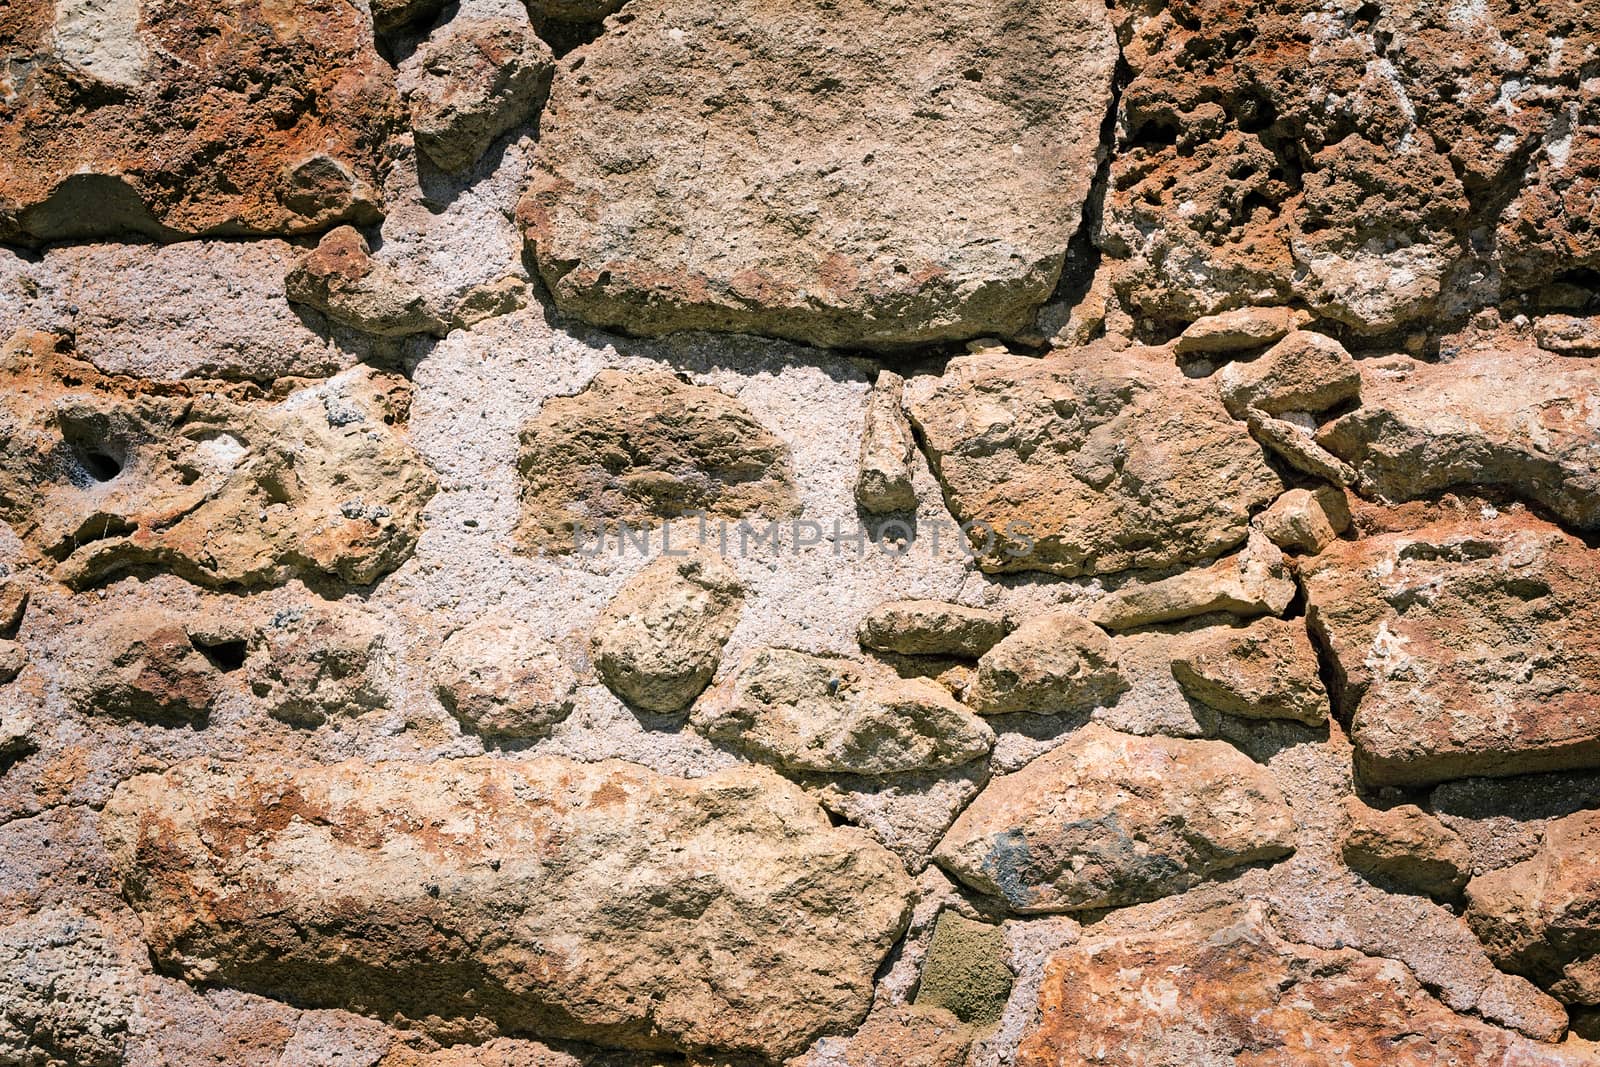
(100, 466)
(972, 75)
(224, 655)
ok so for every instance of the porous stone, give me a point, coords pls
(579, 901)
(1090, 462)
(391, 15)
(141, 663)
(1266, 670)
(501, 680)
(1517, 418)
(1406, 846)
(660, 640)
(341, 279)
(1305, 519)
(637, 449)
(1451, 647)
(68, 989)
(1568, 334)
(679, 182)
(897, 1036)
(220, 484)
(309, 664)
(884, 484)
(1224, 987)
(1253, 582)
(472, 80)
(829, 714)
(176, 118)
(1238, 330)
(965, 970)
(1055, 663)
(1308, 372)
(1108, 819)
(931, 628)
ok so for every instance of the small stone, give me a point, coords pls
(1297, 446)
(1055, 663)
(965, 970)
(896, 1036)
(13, 657)
(13, 605)
(1568, 334)
(69, 990)
(1239, 330)
(831, 715)
(884, 484)
(660, 640)
(502, 680)
(1254, 582)
(931, 628)
(472, 80)
(341, 279)
(1108, 819)
(1407, 846)
(391, 15)
(1266, 670)
(1305, 519)
(310, 663)
(1304, 372)
(141, 663)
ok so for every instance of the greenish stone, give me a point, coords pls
(965, 971)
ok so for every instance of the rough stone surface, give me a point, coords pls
(931, 628)
(661, 638)
(1451, 646)
(310, 664)
(1234, 331)
(897, 1037)
(177, 118)
(1516, 418)
(701, 895)
(1305, 519)
(680, 183)
(471, 81)
(884, 485)
(1110, 819)
(340, 278)
(636, 449)
(965, 970)
(1089, 463)
(67, 991)
(1254, 582)
(1056, 663)
(1568, 334)
(1538, 917)
(145, 664)
(500, 679)
(1407, 846)
(833, 715)
(1307, 372)
(1266, 670)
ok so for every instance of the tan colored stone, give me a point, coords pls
(766, 168)
(833, 715)
(310, 663)
(501, 680)
(1304, 372)
(1407, 846)
(1518, 418)
(1254, 582)
(1266, 670)
(1568, 334)
(1224, 989)
(897, 1036)
(1453, 651)
(640, 448)
(931, 628)
(1238, 330)
(176, 118)
(599, 902)
(141, 663)
(1305, 519)
(1538, 918)
(216, 482)
(1089, 462)
(1054, 663)
(341, 279)
(1109, 819)
(660, 639)
(1296, 444)
(884, 483)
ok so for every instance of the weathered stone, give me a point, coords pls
(1109, 819)
(908, 812)
(1547, 230)
(391, 15)
(1254, 582)
(1568, 334)
(833, 715)
(1054, 663)
(680, 183)
(584, 901)
(141, 663)
(14, 595)
(884, 483)
(965, 970)
(13, 657)
(472, 80)
(1238, 330)
(67, 991)
(1452, 647)
(341, 279)
(1266, 670)
(1224, 988)
(217, 483)
(1090, 462)
(174, 118)
(931, 628)
(639, 448)
(1305, 519)
(309, 664)
(511, 1052)
(899, 1036)
(1406, 846)
(1519, 418)
(502, 680)
(660, 639)
(1295, 443)
(1307, 372)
